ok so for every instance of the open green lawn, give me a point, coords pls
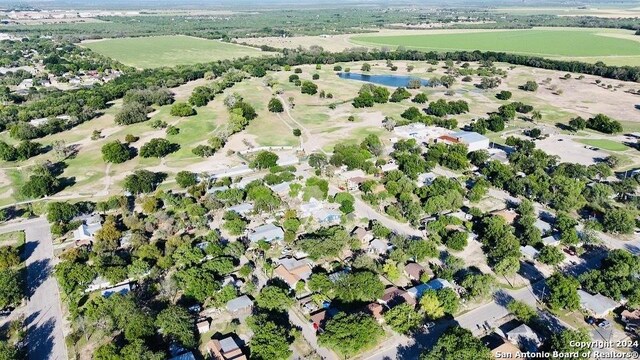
(15, 238)
(605, 144)
(157, 51)
(574, 43)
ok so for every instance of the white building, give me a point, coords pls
(473, 140)
(420, 132)
(267, 232)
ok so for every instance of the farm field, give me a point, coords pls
(572, 43)
(158, 51)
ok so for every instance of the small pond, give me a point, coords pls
(387, 80)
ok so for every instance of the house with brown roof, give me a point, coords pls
(362, 235)
(414, 271)
(393, 296)
(225, 349)
(292, 270)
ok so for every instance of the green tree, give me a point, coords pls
(309, 87)
(366, 67)
(182, 109)
(567, 341)
(619, 221)
(551, 255)
(403, 318)
(264, 160)
(522, 311)
(350, 334)
(563, 292)
(11, 288)
(270, 340)
(359, 287)
(142, 181)
(158, 148)
(186, 179)
(458, 344)
(176, 323)
(431, 306)
(115, 152)
(274, 298)
(275, 105)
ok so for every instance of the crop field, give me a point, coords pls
(157, 51)
(615, 47)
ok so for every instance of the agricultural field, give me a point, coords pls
(611, 46)
(617, 45)
(158, 51)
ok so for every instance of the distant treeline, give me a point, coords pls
(86, 103)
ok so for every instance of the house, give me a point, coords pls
(25, 84)
(292, 270)
(346, 175)
(499, 347)
(543, 226)
(375, 310)
(508, 215)
(184, 356)
(362, 235)
(203, 326)
(436, 284)
(393, 296)
(426, 179)
(87, 230)
(631, 319)
(525, 338)
(379, 247)
(597, 305)
(328, 216)
(311, 207)
(281, 189)
(529, 253)
(420, 132)
(121, 289)
(225, 349)
(551, 240)
(267, 232)
(414, 271)
(239, 306)
(242, 209)
(390, 166)
(353, 183)
(336, 275)
(473, 140)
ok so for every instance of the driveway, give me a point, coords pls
(43, 313)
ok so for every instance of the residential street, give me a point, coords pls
(43, 313)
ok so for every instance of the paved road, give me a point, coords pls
(309, 334)
(43, 313)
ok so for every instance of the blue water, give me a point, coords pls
(387, 80)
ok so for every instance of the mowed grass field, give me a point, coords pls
(157, 51)
(611, 46)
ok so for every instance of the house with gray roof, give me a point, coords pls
(529, 252)
(241, 305)
(597, 305)
(327, 216)
(242, 209)
(87, 230)
(525, 338)
(267, 232)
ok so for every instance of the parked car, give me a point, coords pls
(570, 251)
(428, 326)
(604, 324)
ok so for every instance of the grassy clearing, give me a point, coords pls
(157, 51)
(605, 144)
(14, 238)
(552, 43)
